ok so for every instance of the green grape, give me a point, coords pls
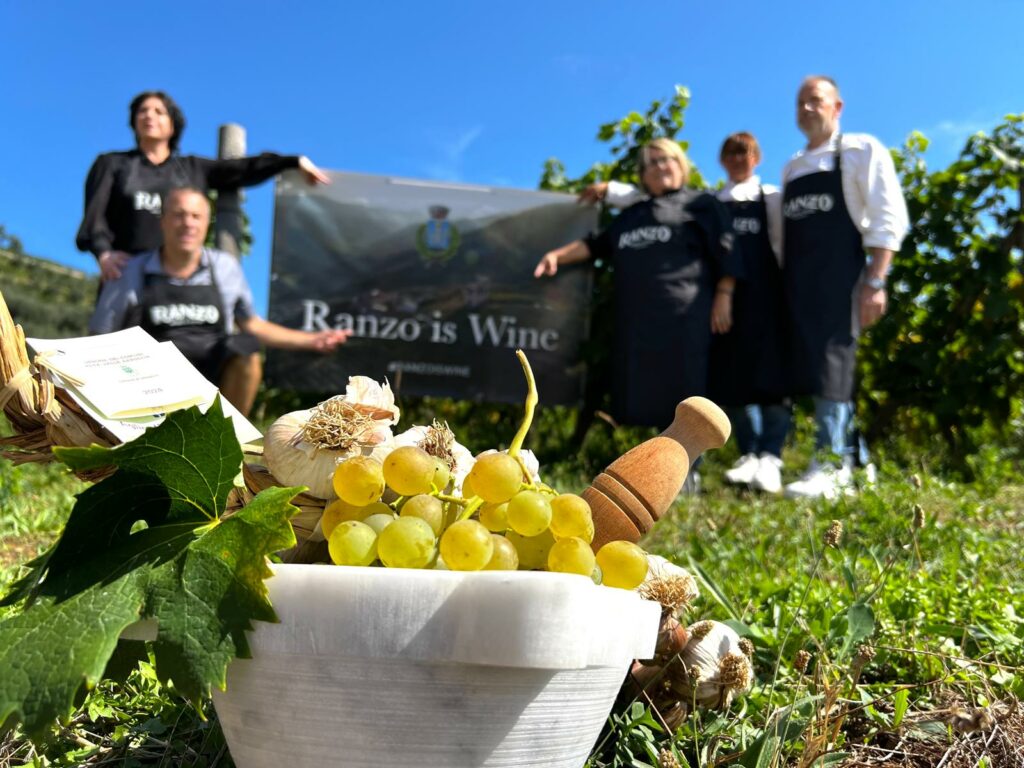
(428, 508)
(442, 474)
(409, 470)
(570, 516)
(359, 480)
(353, 543)
(380, 521)
(496, 477)
(495, 517)
(466, 546)
(623, 564)
(505, 557)
(407, 543)
(340, 511)
(467, 488)
(532, 550)
(529, 513)
(571, 555)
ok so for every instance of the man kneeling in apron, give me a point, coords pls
(841, 197)
(193, 296)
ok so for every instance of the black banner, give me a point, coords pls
(436, 283)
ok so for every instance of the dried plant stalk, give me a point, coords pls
(41, 415)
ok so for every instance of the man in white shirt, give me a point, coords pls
(841, 197)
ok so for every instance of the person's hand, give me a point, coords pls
(313, 174)
(873, 302)
(111, 264)
(327, 341)
(594, 193)
(547, 266)
(721, 312)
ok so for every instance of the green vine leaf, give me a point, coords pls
(149, 542)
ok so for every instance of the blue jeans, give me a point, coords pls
(760, 428)
(836, 433)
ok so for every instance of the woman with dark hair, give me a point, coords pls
(124, 190)
(669, 254)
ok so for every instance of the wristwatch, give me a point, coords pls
(875, 283)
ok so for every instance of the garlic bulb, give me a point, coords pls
(303, 447)
(672, 639)
(669, 584)
(714, 666)
(437, 440)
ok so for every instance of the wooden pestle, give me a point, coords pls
(636, 489)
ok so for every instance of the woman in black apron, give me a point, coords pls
(668, 254)
(124, 190)
(746, 373)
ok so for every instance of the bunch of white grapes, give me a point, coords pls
(501, 521)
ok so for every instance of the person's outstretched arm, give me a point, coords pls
(249, 171)
(574, 252)
(274, 335)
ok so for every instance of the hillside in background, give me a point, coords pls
(47, 299)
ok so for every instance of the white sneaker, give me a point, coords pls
(870, 479)
(821, 481)
(768, 477)
(743, 471)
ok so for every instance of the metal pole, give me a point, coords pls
(229, 224)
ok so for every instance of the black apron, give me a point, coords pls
(664, 283)
(824, 260)
(191, 316)
(146, 185)
(746, 363)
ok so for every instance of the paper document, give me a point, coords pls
(127, 381)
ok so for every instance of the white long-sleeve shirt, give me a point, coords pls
(871, 188)
(622, 195)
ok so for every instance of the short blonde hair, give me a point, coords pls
(670, 148)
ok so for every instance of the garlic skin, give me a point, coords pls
(364, 391)
(295, 460)
(714, 666)
(672, 639)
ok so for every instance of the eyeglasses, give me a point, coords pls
(736, 152)
(662, 161)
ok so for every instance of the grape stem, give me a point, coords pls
(472, 506)
(451, 499)
(531, 404)
(517, 442)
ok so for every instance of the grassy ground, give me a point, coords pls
(914, 622)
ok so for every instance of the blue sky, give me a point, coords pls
(472, 92)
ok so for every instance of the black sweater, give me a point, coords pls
(124, 191)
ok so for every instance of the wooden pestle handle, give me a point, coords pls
(636, 489)
(699, 425)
